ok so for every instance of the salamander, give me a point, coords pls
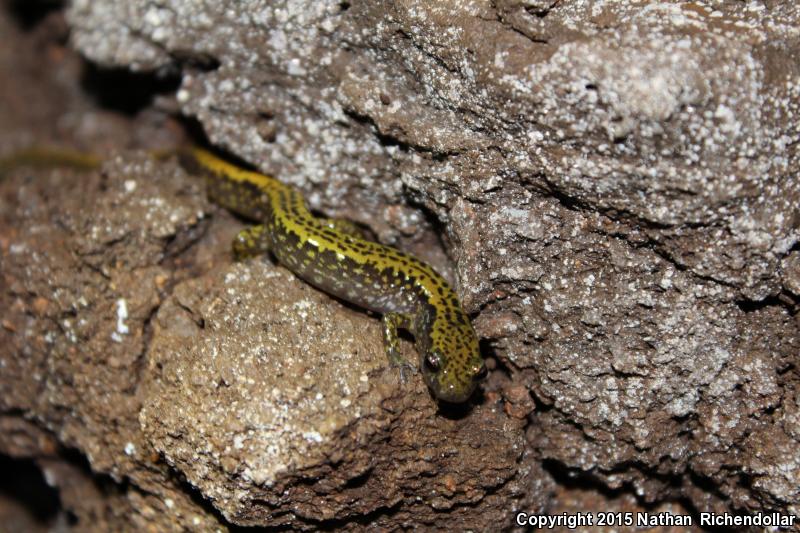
(335, 257)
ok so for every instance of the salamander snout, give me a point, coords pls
(449, 379)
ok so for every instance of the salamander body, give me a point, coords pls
(333, 256)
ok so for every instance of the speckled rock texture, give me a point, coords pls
(275, 402)
(268, 397)
(612, 186)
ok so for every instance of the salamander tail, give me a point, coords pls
(48, 157)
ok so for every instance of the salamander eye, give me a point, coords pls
(481, 372)
(433, 362)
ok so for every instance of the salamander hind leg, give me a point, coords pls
(392, 321)
(251, 241)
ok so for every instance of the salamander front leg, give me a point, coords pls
(251, 242)
(392, 321)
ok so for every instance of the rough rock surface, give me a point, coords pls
(276, 403)
(616, 184)
(270, 398)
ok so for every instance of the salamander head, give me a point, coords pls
(452, 364)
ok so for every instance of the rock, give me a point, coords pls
(275, 402)
(588, 104)
(615, 185)
(269, 397)
(79, 289)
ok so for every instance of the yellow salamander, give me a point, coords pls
(332, 255)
